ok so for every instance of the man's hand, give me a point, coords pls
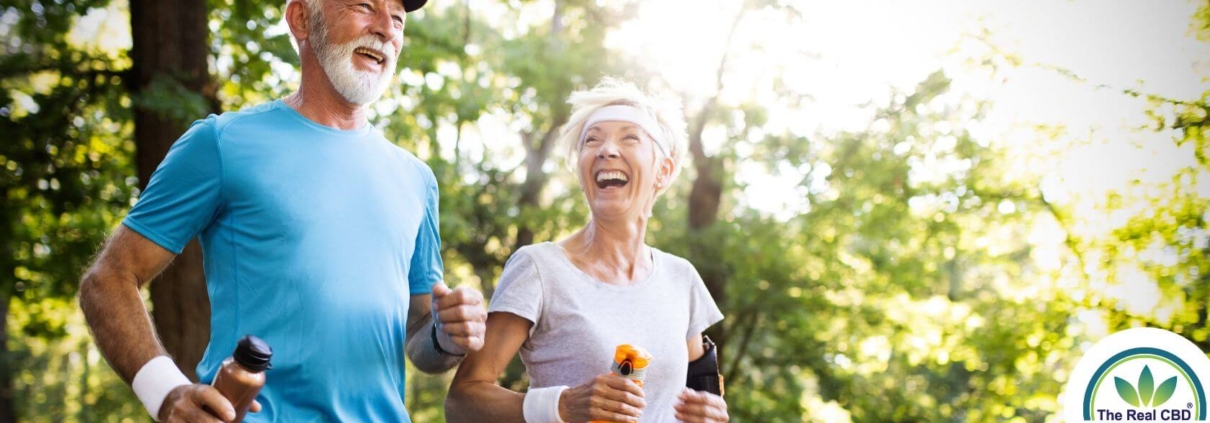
(198, 403)
(701, 407)
(459, 316)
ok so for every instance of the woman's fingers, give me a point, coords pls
(701, 407)
(608, 409)
(607, 397)
(619, 383)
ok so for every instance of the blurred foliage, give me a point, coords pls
(914, 286)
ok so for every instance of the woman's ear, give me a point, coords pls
(664, 175)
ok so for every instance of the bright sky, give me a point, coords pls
(847, 55)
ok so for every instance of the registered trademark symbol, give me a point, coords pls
(1189, 405)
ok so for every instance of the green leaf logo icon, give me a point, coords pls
(1164, 392)
(1147, 395)
(1126, 391)
(1146, 386)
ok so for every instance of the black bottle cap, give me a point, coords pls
(253, 353)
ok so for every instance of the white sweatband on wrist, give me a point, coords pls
(154, 381)
(542, 405)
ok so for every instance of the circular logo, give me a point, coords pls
(1139, 375)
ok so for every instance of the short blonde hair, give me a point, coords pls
(611, 91)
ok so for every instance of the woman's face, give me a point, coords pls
(617, 170)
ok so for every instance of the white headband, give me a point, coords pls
(627, 114)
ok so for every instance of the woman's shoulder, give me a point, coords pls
(675, 264)
(533, 255)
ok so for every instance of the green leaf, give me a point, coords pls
(1126, 391)
(1164, 392)
(1146, 386)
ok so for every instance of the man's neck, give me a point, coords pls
(317, 100)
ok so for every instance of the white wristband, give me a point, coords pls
(154, 381)
(542, 405)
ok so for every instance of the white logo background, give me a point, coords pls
(1107, 396)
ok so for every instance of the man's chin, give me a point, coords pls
(365, 92)
(362, 66)
(362, 101)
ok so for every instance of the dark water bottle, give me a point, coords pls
(243, 374)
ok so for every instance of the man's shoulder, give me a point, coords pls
(247, 116)
(217, 124)
(421, 168)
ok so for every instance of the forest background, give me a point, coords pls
(908, 211)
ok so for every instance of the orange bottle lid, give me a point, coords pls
(631, 361)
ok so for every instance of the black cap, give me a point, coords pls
(413, 5)
(253, 353)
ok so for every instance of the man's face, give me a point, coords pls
(357, 43)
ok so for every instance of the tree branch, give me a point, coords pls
(750, 316)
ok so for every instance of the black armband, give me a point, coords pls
(703, 373)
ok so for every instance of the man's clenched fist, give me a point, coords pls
(459, 316)
(198, 403)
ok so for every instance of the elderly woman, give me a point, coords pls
(565, 306)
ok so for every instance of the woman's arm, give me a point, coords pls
(696, 350)
(474, 395)
(694, 406)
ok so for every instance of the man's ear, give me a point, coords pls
(299, 19)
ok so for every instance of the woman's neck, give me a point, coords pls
(611, 252)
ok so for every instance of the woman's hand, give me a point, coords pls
(701, 407)
(608, 397)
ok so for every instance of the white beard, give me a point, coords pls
(357, 86)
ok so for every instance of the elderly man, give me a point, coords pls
(319, 236)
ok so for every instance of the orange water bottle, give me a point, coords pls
(630, 362)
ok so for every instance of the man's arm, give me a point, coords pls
(460, 329)
(419, 342)
(109, 297)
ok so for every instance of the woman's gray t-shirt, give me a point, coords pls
(579, 321)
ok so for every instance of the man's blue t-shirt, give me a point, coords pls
(313, 239)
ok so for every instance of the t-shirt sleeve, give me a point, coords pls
(184, 194)
(427, 268)
(703, 312)
(520, 289)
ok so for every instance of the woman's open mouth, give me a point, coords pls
(611, 179)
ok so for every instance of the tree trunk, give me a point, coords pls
(535, 177)
(7, 413)
(181, 309)
(8, 290)
(536, 154)
(170, 41)
(705, 198)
